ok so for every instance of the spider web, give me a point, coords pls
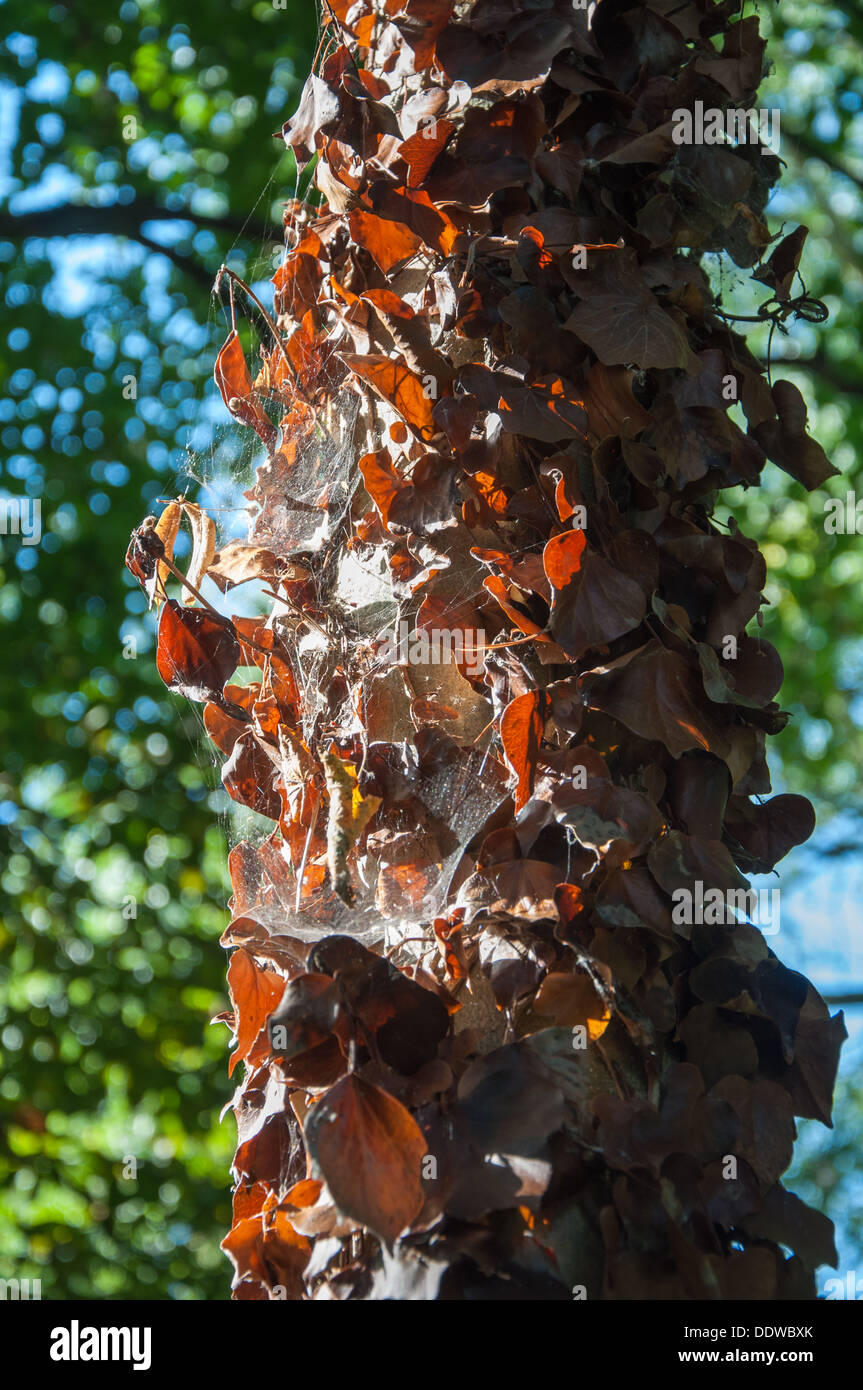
(306, 520)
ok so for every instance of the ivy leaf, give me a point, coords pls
(255, 993)
(369, 1150)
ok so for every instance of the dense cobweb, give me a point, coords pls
(308, 520)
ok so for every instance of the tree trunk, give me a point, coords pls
(510, 1023)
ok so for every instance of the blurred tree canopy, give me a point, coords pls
(107, 1053)
(815, 583)
(137, 156)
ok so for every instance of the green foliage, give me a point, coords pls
(107, 790)
(815, 586)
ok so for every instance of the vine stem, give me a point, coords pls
(301, 872)
(309, 622)
(516, 641)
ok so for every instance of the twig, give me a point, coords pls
(303, 617)
(517, 641)
(301, 872)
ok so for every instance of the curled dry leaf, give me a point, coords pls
(203, 545)
(238, 562)
(349, 814)
(167, 529)
(235, 385)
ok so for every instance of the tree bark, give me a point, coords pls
(506, 1029)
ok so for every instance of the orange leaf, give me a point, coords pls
(420, 23)
(231, 373)
(381, 480)
(386, 242)
(242, 1245)
(362, 21)
(414, 210)
(569, 902)
(303, 1193)
(249, 1200)
(404, 885)
(297, 279)
(488, 488)
(422, 149)
(270, 1251)
(521, 726)
(255, 994)
(233, 380)
(398, 385)
(369, 1149)
(500, 590)
(572, 1001)
(562, 557)
(389, 303)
